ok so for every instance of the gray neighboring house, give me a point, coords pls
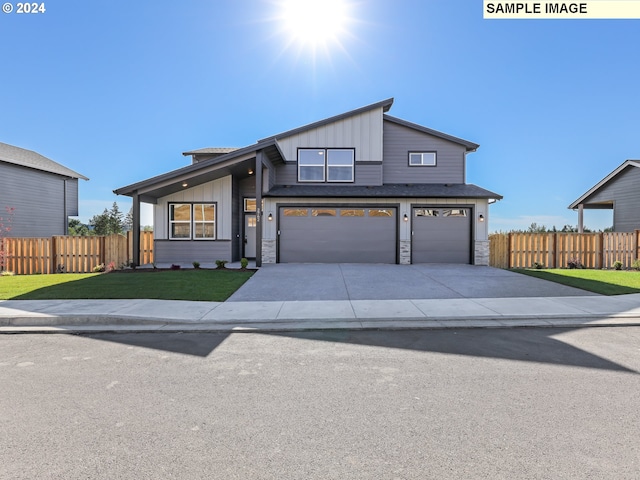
(43, 192)
(619, 191)
(361, 186)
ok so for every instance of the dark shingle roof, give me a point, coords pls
(430, 190)
(31, 159)
(211, 150)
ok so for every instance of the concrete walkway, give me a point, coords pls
(27, 316)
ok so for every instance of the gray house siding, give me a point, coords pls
(400, 140)
(188, 251)
(39, 200)
(364, 174)
(624, 191)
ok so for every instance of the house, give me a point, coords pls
(362, 186)
(43, 193)
(619, 191)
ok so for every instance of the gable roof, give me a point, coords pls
(384, 104)
(604, 181)
(469, 145)
(211, 150)
(31, 159)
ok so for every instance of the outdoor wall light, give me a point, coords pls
(251, 171)
(185, 184)
(270, 217)
(405, 218)
(481, 218)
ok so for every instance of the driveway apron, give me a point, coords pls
(310, 281)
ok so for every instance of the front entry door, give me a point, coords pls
(250, 236)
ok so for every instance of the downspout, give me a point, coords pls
(65, 217)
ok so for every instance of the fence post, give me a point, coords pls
(636, 244)
(600, 251)
(509, 250)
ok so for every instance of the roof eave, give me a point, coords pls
(604, 181)
(470, 146)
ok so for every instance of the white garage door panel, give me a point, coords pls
(337, 239)
(441, 235)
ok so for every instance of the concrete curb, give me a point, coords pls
(101, 324)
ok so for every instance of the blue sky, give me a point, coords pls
(118, 90)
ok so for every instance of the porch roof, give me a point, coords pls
(584, 199)
(433, 190)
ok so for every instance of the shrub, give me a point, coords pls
(175, 266)
(538, 265)
(196, 264)
(636, 264)
(111, 267)
(574, 263)
(6, 273)
(244, 262)
(99, 268)
(221, 263)
(617, 265)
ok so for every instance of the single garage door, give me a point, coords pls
(337, 235)
(441, 235)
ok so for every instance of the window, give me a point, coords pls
(189, 221)
(325, 164)
(417, 159)
(380, 212)
(454, 212)
(352, 212)
(425, 212)
(323, 212)
(249, 204)
(295, 212)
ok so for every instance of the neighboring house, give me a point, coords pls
(43, 192)
(619, 191)
(358, 187)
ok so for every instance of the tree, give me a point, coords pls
(76, 227)
(535, 228)
(128, 220)
(109, 222)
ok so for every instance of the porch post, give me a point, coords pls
(135, 255)
(581, 218)
(259, 209)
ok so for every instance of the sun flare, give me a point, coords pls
(314, 23)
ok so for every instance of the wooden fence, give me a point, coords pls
(69, 254)
(555, 250)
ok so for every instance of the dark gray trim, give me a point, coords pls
(259, 208)
(429, 190)
(135, 246)
(385, 104)
(473, 224)
(338, 205)
(469, 145)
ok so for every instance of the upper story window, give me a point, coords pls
(189, 221)
(325, 165)
(422, 159)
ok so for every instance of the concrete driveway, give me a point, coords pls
(291, 282)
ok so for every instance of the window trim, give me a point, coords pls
(422, 159)
(326, 166)
(192, 222)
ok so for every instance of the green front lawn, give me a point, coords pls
(207, 285)
(605, 282)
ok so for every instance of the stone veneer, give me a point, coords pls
(405, 252)
(268, 251)
(481, 253)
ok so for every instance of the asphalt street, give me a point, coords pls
(441, 404)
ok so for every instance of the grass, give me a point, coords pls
(605, 282)
(206, 285)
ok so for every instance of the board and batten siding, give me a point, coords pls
(218, 191)
(624, 191)
(39, 200)
(400, 140)
(364, 174)
(362, 132)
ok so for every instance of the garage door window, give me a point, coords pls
(380, 212)
(455, 212)
(323, 212)
(352, 212)
(425, 212)
(295, 212)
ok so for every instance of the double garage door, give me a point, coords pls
(355, 234)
